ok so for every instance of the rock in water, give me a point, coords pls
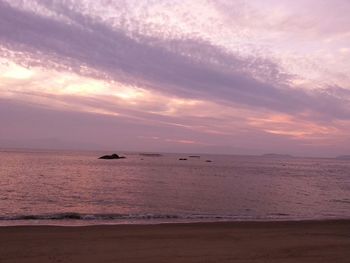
(113, 156)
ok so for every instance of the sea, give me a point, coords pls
(71, 188)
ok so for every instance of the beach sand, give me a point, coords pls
(308, 241)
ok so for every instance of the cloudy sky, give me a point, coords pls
(218, 76)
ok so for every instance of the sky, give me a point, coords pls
(199, 76)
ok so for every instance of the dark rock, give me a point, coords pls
(208, 161)
(110, 157)
(183, 159)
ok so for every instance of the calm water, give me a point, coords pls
(77, 188)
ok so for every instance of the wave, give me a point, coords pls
(72, 218)
(106, 217)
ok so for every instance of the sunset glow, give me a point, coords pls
(240, 77)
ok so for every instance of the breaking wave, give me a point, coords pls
(81, 216)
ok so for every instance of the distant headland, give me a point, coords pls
(343, 157)
(151, 154)
(276, 155)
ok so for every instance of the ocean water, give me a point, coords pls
(76, 188)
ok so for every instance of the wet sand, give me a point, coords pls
(309, 241)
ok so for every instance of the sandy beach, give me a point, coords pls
(308, 241)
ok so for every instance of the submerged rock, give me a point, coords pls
(183, 159)
(113, 156)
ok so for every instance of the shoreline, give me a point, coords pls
(273, 241)
(91, 223)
